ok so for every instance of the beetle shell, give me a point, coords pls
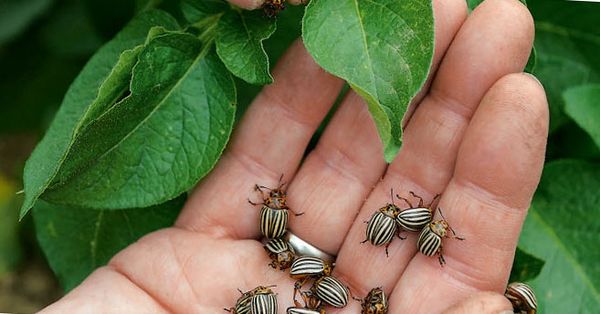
(273, 222)
(331, 291)
(300, 310)
(308, 266)
(414, 219)
(264, 304)
(281, 253)
(375, 302)
(522, 298)
(429, 243)
(381, 228)
(244, 304)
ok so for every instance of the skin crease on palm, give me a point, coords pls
(477, 135)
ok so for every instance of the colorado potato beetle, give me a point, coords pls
(375, 302)
(307, 267)
(281, 253)
(272, 8)
(382, 227)
(522, 298)
(312, 304)
(331, 291)
(430, 239)
(415, 218)
(274, 211)
(260, 300)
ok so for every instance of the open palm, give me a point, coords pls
(477, 136)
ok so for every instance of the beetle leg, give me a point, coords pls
(405, 201)
(416, 196)
(296, 214)
(435, 198)
(386, 249)
(253, 204)
(364, 241)
(399, 236)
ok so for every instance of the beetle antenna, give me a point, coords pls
(441, 213)
(392, 196)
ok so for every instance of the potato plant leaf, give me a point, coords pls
(562, 229)
(49, 155)
(238, 34)
(239, 40)
(76, 241)
(16, 15)
(525, 267)
(382, 48)
(582, 104)
(159, 140)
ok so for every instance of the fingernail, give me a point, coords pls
(533, 77)
(507, 312)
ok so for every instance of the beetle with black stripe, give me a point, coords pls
(312, 304)
(281, 253)
(260, 300)
(430, 239)
(522, 298)
(331, 291)
(305, 268)
(415, 218)
(382, 226)
(274, 211)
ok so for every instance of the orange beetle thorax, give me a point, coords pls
(276, 199)
(390, 210)
(439, 227)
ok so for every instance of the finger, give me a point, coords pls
(482, 303)
(268, 142)
(498, 168)
(431, 140)
(337, 177)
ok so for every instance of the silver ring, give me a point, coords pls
(304, 248)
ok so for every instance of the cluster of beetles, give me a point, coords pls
(325, 289)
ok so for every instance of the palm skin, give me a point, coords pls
(477, 136)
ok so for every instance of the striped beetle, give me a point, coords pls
(415, 218)
(522, 298)
(430, 239)
(312, 304)
(331, 291)
(375, 302)
(382, 227)
(274, 211)
(281, 253)
(260, 300)
(307, 267)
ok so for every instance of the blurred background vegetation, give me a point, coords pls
(45, 43)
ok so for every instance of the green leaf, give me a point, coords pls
(16, 15)
(49, 155)
(76, 241)
(582, 104)
(525, 267)
(531, 62)
(11, 252)
(382, 48)
(562, 228)
(567, 43)
(158, 141)
(472, 4)
(240, 36)
(197, 10)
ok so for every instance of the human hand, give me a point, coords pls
(477, 135)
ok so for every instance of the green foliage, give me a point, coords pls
(526, 267)
(562, 228)
(241, 48)
(383, 49)
(567, 44)
(77, 240)
(582, 104)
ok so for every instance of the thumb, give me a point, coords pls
(484, 303)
